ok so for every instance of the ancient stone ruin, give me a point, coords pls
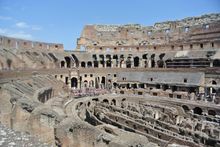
(123, 86)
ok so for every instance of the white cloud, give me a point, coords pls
(5, 18)
(16, 34)
(22, 35)
(22, 25)
(3, 31)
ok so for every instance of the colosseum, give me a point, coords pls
(123, 86)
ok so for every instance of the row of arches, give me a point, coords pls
(100, 82)
(69, 62)
(199, 111)
(136, 61)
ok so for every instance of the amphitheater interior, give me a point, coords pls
(123, 86)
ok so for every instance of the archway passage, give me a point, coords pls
(109, 63)
(160, 63)
(185, 108)
(62, 64)
(136, 62)
(197, 110)
(128, 63)
(103, 81)
(83, 64)
(76, 60)
(74, 82)
(89, 64)
(113, 102)
(216, 63)
(68, 62)
(96, 64)
(211, 112)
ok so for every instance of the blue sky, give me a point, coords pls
(62, 20)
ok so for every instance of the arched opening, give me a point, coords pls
(157, 86)
(128, 63)
(165, 87)
(216, 63)
(91, 83)
(134, 85)
(152, 60)
(68, 62)
(214, 82)
(97, 82)
(74, 82)
(197, 110)
(136, 62)
(102, 61)
(83, 64)
(62, 64)
(115, 85)
(116, 59)
(76, 60)
(160, 63)
(174, 88)
(89, 64)
(144, 56)
(103, 82)
(85, 83)
(96, 64)
(109, 63)
(105, 101)
(185, 108)
(211, 112)
(113, 102)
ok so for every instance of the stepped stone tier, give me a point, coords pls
(124, 86)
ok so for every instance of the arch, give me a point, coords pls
(91, 83)
(134, 85)
(89, 64)
(160, 63)
(161, 56)
(68, 61)
(62, 64)
(74, 82)
(165, 87)
(85, 83)
(97, 82)
(96, 64)
(109, 63)
(88, 104)
(103, 81)
(108, 56)
(185, 108)
(136, 61)
(197, 110)
(76, 60)
(83, 64)
(216, 63)
(105, 101)
(214, 82)
(115, 57)
(144, 56)
(211, 112)
(113, 102)
(128, 63)
(153, 61)
(115, 85)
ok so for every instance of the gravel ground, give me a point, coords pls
(11, 138)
